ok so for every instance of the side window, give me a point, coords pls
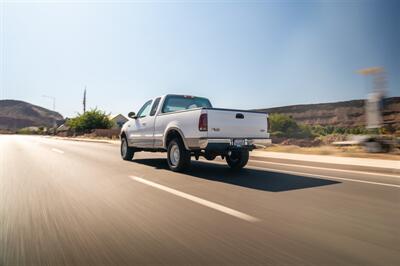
(145, 110)
(155, 106)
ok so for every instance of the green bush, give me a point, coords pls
(283, 123)
(93, 119)
(278, 134)
(31, 131)
(285, 126)
(331, 130)
(305, 132)
(319, 130)
(26, 131)
(339, 130)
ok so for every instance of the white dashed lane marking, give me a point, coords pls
(57, 150)
(198, 200)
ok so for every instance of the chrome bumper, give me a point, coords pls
(204, 143)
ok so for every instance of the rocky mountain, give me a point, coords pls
(339, 114)
(18, 114)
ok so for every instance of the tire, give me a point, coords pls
(177, 156)
(238, 159)
(126, 151)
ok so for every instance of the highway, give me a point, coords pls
(77, 203)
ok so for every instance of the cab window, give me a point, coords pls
(145, 110)
(175, 103)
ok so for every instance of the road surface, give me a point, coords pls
(76, 203)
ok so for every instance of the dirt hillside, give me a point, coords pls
(18, 114)
(340, 114)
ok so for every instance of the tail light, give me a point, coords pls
(203, 122)
(268, 125)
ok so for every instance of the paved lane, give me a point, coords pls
(76, 203)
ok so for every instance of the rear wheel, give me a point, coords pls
(238, 159)
(126, 151)
(177, 156)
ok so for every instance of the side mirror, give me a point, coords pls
(132, 115)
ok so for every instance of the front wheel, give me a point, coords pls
(238, 159)
(177, 156)
(126, 151)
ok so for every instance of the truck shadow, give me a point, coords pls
(250, 178)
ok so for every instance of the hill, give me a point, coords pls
(18, 114)
(339, 114)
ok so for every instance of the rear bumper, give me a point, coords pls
(226, 143)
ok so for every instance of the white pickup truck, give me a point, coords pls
(186, 126)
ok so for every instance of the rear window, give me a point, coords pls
(179, 103)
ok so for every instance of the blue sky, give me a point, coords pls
(239, 54)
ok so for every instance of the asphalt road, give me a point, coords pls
(76, 203)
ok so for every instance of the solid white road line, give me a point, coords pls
(324, 176)
(314, 175)
(325, 168)
(198, 200)
(57, 150)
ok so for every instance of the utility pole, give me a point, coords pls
(84, 100)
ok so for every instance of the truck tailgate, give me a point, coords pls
(236, 124)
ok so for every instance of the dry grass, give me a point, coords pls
(349, 151)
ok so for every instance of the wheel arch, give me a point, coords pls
(171, 133)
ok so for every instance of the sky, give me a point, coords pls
(239, 54)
